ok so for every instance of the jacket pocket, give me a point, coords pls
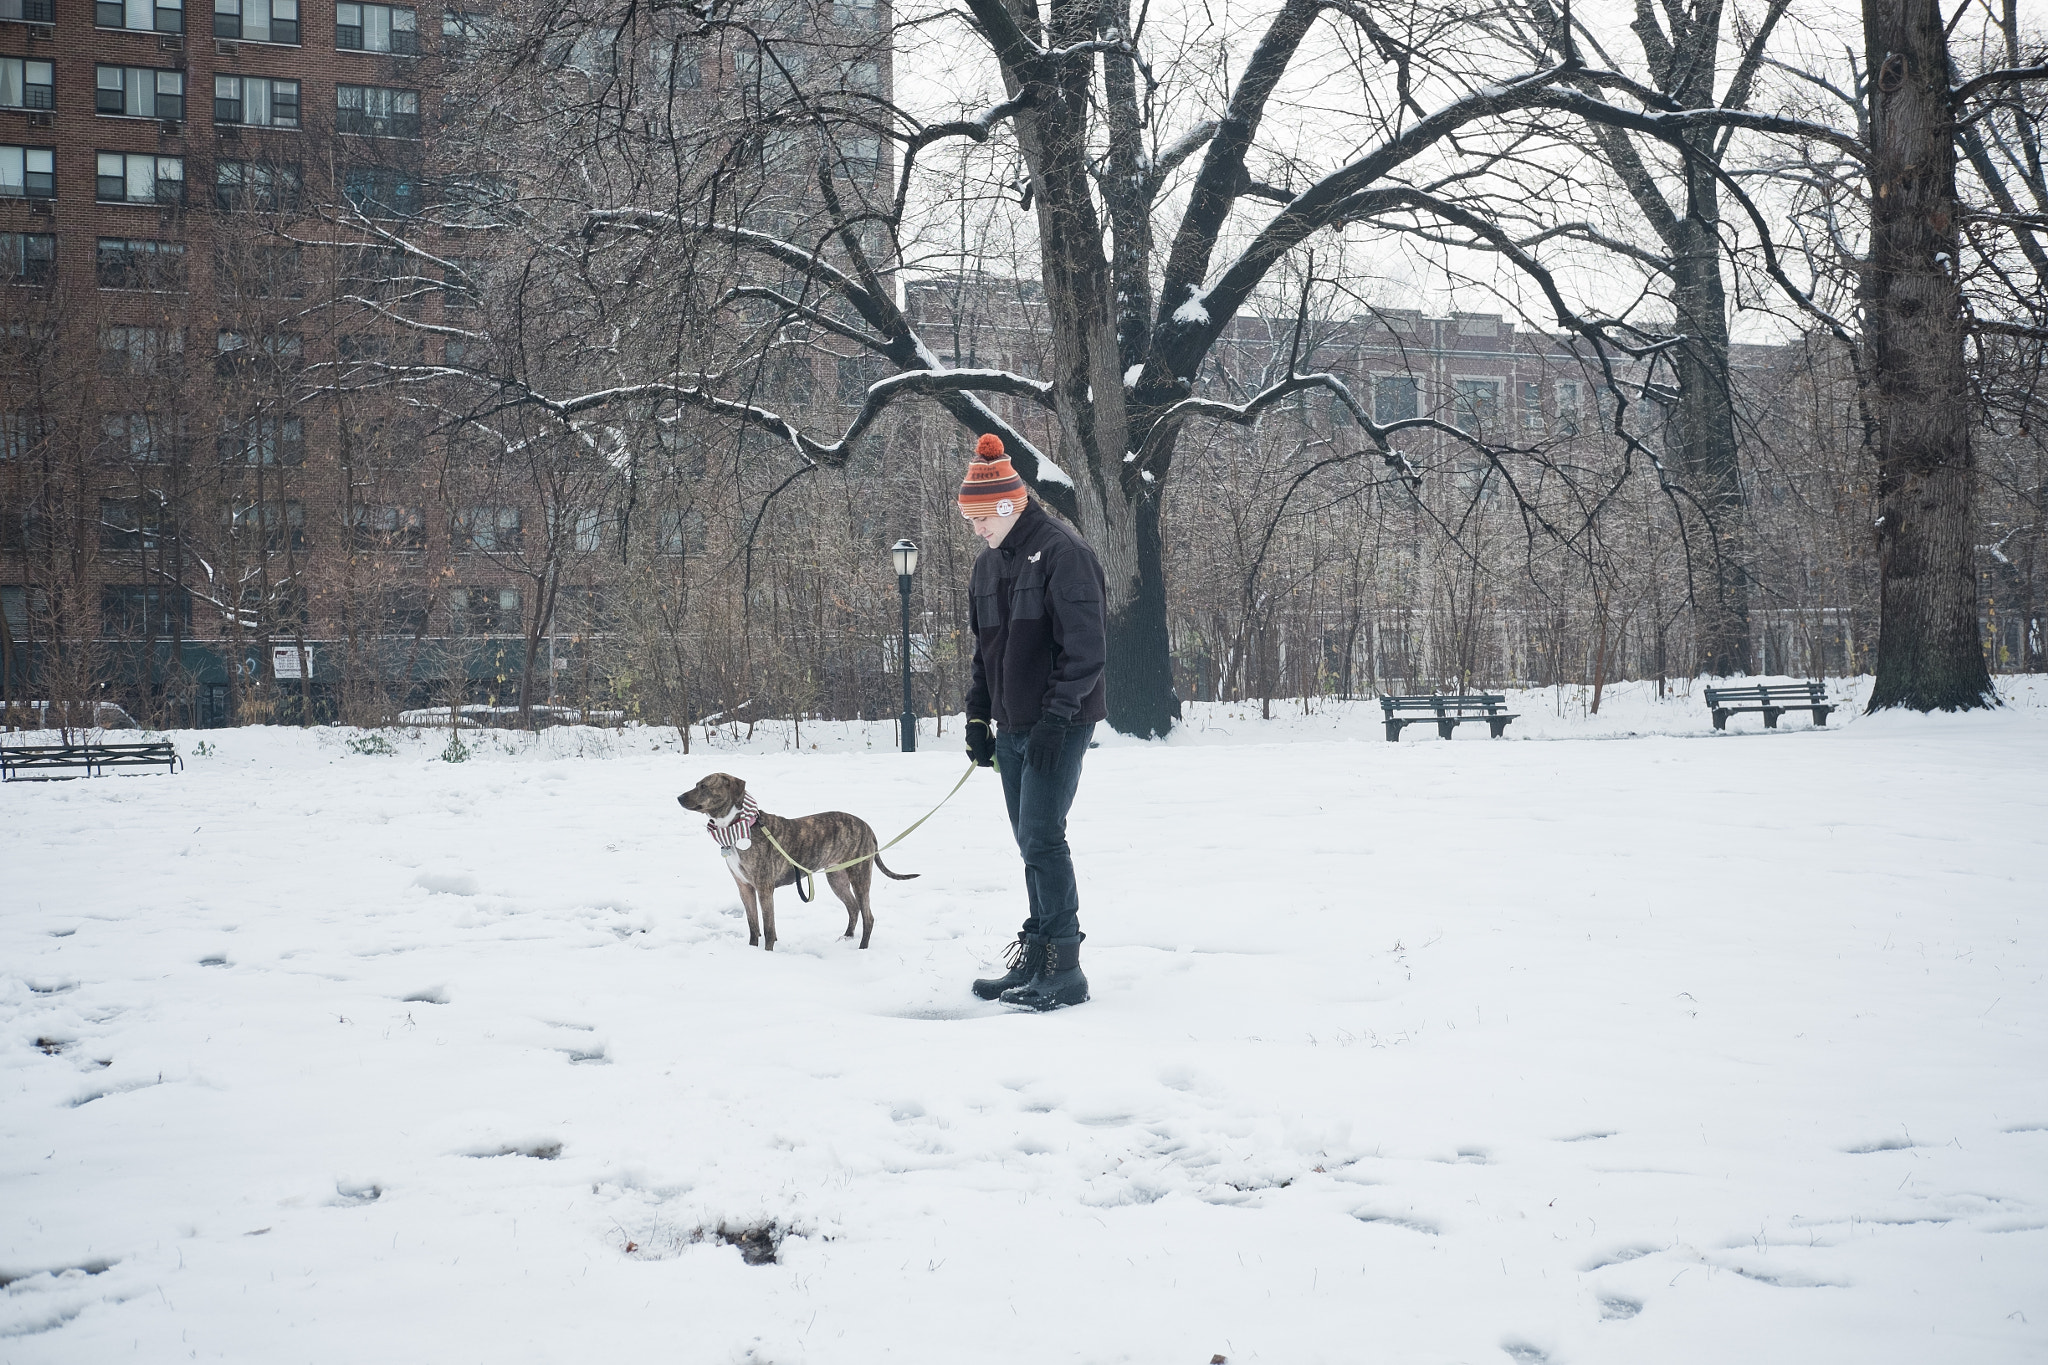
(1027, 598)
(988, 613)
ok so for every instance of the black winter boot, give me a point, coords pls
(1059, 981)
(1024, 957)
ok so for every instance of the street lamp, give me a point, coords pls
(905, 555)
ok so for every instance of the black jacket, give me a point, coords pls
(1036, 609)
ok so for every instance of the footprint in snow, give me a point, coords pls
(1619, 1256)
(1897, 1144)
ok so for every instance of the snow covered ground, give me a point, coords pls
(1670, 1047)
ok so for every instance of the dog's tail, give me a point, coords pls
(898, 876)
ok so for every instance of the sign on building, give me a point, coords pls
(284, 662)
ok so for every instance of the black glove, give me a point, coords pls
(1048, 738)
(981, 743)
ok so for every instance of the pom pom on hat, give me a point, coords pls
(992, 487)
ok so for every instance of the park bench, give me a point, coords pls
(1772, 701)
(46, 762)
(1447, 712)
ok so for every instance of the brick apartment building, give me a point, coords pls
(193, 511)
(167, 475)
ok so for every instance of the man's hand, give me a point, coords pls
(981, 743)
(1048, 737)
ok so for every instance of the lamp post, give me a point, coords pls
(905, 555)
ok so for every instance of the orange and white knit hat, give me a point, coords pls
(992, 488)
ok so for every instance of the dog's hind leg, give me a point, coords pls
(842, 887)
(767, 895)
(863, 878)
(753, 913)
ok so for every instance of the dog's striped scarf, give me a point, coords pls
(734, 833)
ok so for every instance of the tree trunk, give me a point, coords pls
(1704, 431)
(1929, 656)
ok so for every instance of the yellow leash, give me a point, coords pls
(815, 873)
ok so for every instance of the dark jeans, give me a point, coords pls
(1038, 802)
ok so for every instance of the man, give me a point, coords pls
(1036, 609)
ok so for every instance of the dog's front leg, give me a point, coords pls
(753, 914)
(767, 895)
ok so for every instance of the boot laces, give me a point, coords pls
(1013, 954)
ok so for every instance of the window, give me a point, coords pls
(138, 263)
(131, 523)
(459, 284)
(135, 178)
(263, 272)
(679, 533)
(579, 611)
(21, 434)
(376, 110)
(285, 606)
(475, 200)
(382, 191)
(1568, 407)
(255, 185)
(140, 437)
(27, 85)
(279, 525)
(487, 528)
(856, 373)
(376, 28)
(485, 611)
(678, 66)
(30, 11)
(856, 13)
(22, 529)
(255, 21)
(135, 611)
(28, 172)
(1475, 406)
(254, 101)
(28, 257)
(24, 344)
(459, 33)
(589, 532)
(23, 606)
(863, 76)
(387, 528)
(139, 92)
(860, 153)
(403, 610)
(1396, 398)
(236, 351)
(262, 440)
(790, 376)
(159, 16)
(1532, 407)
(141, 350)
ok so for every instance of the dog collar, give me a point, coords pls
(733, 829)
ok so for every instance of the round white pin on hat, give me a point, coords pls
(1005, 507)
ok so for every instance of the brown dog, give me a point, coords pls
(816, 841)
